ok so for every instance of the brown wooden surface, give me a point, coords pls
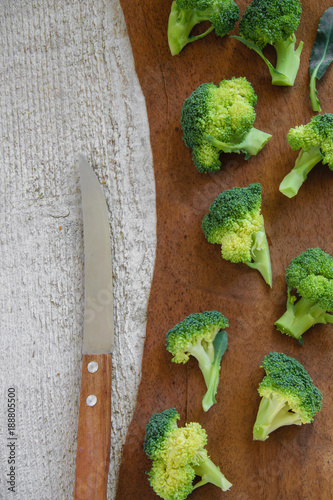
(94, 430)
(190, 275)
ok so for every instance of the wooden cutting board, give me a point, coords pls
(190, 275)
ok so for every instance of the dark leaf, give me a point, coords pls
(321, 55)
(220, 346)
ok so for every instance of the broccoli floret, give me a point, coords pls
(217, 118)
(315, 141)
(288, 396)
(235, 221)
(309, 279)
(274, 22)
(186, 14)
(201, 335)
(179, 455)
(160, 425)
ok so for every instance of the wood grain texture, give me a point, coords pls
(190, 275)
(67, 85)
(94, 430)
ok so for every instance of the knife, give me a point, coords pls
(94, 427)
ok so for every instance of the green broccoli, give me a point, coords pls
(186, 14)
(315, 141)
(309, 279)
(217, 118)
(288, 396)
(235, 221)
(178, 455)
(274, 22)
(201, 335)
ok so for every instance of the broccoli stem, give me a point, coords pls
(209, 358)
(272, 414)
(204, 360)
(305, 162)
(300, 316)
(253, 142)
(210, 473)
(181, 22)
(261, 256)
(220, 346)
(287, 62)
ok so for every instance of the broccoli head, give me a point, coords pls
(186, 14)
(288, 396)
(274, 22)
(309, 279)
(201, 335)
(160, 426)
(178, 455)
(217, 118)
(235, 221)
(315, 141)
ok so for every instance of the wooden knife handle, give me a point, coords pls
(94, 429)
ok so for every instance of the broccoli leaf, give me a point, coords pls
(220, 346)
(321, 54)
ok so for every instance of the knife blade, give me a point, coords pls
(94, 426)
